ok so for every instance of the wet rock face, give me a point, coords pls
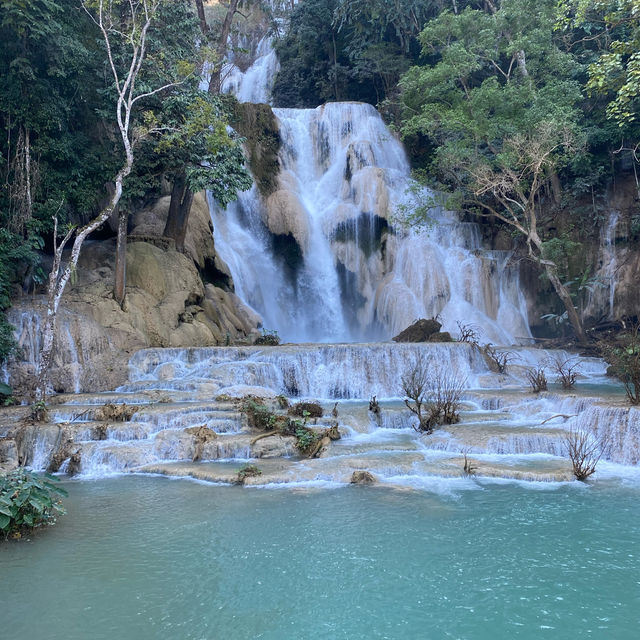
(420, 331)
(8, 455)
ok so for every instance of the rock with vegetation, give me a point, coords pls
(248, 471)
(419, 331)
(267, 339)
(306, 410)
(257, 124)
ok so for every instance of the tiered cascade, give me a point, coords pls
(509, 431)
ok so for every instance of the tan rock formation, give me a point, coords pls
(284, 214)
(167, 305)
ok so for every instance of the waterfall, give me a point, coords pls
(343, 371)
(325, 259)
(602, 294)
(255, 83)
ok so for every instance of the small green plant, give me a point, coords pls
(6, 395)
(27, 501)
(248, 471)
(258, 416)
(38, 411)
(269, 338)
(305, 438)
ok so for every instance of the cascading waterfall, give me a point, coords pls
(254, 84)
(324, 258)
(509, 431)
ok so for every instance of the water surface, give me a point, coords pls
(145, 557)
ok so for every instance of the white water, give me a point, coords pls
(503, 425)
(28, 333)
(254, 84)
(344, 177)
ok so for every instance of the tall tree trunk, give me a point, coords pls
(57, 282)
(179, 210)
(204, 27)
(551, 270)
(556, 188)
(119, 288)
(221, 50)
(565, 296)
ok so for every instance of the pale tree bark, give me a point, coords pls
(119, 288)
(27, 170)
(141, 14)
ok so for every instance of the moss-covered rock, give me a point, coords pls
(258, 125)
(419, 331)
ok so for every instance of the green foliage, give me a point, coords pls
(492, 80)
(347, 50)
(615, 73)
(38, 411)
(27, 501)
(305, 439)
(258, 415)
(6, 393)
(248, 471)
(624, 361)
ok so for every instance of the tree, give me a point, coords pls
(498, 101)
(616, 72)
(348, 49)
(52, 150)
(222, 40)
(197, 152)
(204, 27)
(131, 34)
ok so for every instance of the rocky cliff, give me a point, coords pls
(173, 300)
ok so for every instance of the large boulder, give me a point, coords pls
(284, 215)
(149, 224)
(419, 331)
(361, 476)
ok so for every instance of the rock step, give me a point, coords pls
(405, 470)
(171, 445)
